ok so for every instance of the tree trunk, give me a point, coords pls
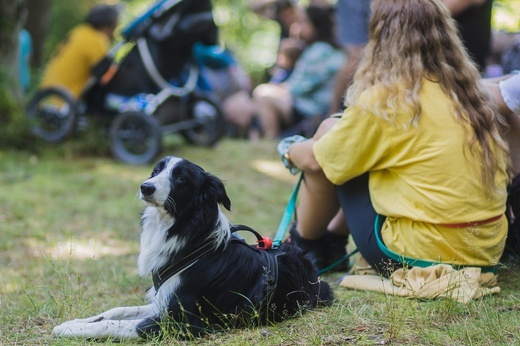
(38, 22)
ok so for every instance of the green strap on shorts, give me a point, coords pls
(413, 262)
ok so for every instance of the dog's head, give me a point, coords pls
(177, 185)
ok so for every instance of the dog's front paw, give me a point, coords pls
(76, 330)
(63, 330)
(92, 319)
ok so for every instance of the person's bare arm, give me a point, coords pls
(302, 155)
(492, 87)
(458, 6)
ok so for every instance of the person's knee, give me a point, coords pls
(273, 95)
(238, 108)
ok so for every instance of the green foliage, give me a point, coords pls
(506, 15)
(63, 18)
(254, 40)
(14, 131)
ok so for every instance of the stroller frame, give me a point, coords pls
(135, 136)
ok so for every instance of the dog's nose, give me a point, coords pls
(147, 189)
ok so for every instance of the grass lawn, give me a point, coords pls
(69, 240)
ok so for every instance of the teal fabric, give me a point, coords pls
(25, 52)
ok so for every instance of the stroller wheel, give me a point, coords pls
(52, 113)
(209, 123)
(135, 138)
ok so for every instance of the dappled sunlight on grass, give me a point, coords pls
(90, 249)
(274, 169)
(102, 245)
(135, 174)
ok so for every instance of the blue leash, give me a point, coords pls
(286, 219)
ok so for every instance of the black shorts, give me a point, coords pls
(354, 197)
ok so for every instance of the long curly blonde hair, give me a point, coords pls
(414, 39)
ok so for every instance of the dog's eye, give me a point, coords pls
(157, 169)
(180, 179)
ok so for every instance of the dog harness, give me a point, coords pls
(270, 255)
(172, 267)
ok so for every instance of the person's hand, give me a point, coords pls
(283, 150)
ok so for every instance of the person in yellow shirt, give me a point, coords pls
(418, 145)
(86, 44)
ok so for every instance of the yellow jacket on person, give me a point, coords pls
(421, 175)
(71, 65)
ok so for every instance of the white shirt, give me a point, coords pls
(510, 90)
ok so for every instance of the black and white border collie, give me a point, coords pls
(205, 277)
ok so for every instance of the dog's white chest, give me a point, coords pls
(155, 247)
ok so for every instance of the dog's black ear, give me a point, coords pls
(216, 187)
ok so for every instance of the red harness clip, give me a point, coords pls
(265, 243)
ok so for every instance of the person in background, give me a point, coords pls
(288, 53)
(505, 92)
(352, 17)
(474, 22)
(24, 56)
(25, 51)
(284, 12)
(85, 45)
(307, 92)
(418, 145)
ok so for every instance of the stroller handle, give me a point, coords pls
(141, 23)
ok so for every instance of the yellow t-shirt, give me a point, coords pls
(71, 65)
(420, 176)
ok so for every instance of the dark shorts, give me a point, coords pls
(355, 202)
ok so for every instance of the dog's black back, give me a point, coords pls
(231, 285)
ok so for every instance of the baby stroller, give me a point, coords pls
(157, 88)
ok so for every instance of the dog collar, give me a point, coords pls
(172, 267)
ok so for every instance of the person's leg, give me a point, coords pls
(318, 204)
(338, 225)
(273, 105)
(238, 109)
(354, 197)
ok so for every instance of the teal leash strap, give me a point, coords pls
(338, 262)
(413, 262)
(286, 219)
(287, 215)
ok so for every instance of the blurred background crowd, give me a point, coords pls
(276, 45)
